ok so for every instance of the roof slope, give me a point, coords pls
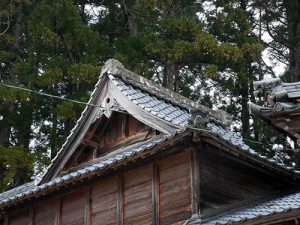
(29, 190)
(149, 103)
(261, 210)
(145, 100)
(282, 105)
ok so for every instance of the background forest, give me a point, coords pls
(210, 51)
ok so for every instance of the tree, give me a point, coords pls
(281, 21)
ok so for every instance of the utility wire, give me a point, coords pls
(93, 105)
(48, 95)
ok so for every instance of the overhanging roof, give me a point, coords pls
(151, 104)
(276, 206)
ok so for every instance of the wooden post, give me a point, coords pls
(155, 195)
(120, 200)
(31, 215)
(87, 208)
(6, 220)
(195, 180)
(58, 212)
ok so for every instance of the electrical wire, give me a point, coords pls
(93, 105)
(48, 95)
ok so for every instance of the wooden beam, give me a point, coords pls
(155, 195)
(90, 143)
(31, 216)
(141, 136)
(87, 207)
(58, 218)
(120, 210)
(195, 180)
(91, 132)
(6, 219)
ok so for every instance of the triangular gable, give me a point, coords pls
(119, 90)
(113, 95)
(170, 116)
(106, 135)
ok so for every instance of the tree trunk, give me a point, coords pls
(293, 25)
(131, 22)
(244, 74)
(4, 136)
(53, 137)
(169, 73)
(5, 129)
(244, 112)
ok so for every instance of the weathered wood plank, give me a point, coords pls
(19, 219)
(104, 201)
(46, 212)
(30, 216)
(6, 219)
(175, 189)
(195, 180)
(87, 208)
(73, 207)
(58, 217)
(155, 195)
(120, 200)
(137, 189)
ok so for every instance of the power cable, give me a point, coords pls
(93, 105)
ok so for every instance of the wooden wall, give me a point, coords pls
(106, 135)
(227, 182)
(156, 193)
(174, 189)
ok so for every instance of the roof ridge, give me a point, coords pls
(116, 68)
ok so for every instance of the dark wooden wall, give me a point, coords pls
(104, 201)
(174, 189)
(228, 182)
(106, 135)
(156, 193)
(45, 212)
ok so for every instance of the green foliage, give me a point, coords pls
(58, 47)
(16, 166)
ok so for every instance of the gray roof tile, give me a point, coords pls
(267, 208)
(153, 105)
(30, 188)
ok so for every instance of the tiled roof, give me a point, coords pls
(15, 191)
(159, 107)
(235, 140)
(30, 189)
(292, 89)
(271, 207)
(152, 104)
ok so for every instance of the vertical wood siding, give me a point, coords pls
(137, 196)
(45, 213)
(174, 189)
(19, 219)
(104, 202)
(73, 208)
(119, 127)
(156, 193)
